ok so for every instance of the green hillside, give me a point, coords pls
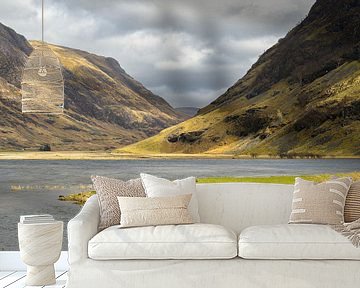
(301, 98)
(104, 106)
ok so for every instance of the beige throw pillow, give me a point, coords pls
(160, 187)
(137, 211)
(107, 189)
(320, 203)
(352, 203)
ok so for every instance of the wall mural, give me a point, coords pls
(220, 90)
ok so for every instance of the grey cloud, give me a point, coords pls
(198, 17)
(186, 51)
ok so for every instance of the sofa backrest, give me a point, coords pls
(239, 205)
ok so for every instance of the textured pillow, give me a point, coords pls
(139, 211)
(160, 187)
(352, 203)
(320, 203)
(107, 189)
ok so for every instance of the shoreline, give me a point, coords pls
(102, 155)
(80, 198)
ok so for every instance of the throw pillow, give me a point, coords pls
(107, 189)
(352, 203)
(320, 203)
(160, 187)
(139, 211)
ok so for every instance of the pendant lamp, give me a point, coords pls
(42, 81)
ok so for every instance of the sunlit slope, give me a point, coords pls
(301, 97)
(269, 125)
(104, 106)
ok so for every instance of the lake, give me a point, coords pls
(33, 186)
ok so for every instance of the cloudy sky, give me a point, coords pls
(187, 51)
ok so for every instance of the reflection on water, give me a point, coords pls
(33, 186)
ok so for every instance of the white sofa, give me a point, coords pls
(245, 243)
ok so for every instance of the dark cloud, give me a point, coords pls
(187, 51)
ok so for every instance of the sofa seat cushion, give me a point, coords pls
(295, 241)
(192, 241)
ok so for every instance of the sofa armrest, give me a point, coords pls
(81, 229)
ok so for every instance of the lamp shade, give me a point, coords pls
(42, 83)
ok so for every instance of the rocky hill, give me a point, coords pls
(302, 96)
(105, 107)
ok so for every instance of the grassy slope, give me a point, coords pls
(276, 179)
(104, 107)
(340, 87)
(300, 97)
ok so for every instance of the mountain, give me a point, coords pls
(188, 111)
(104, 106)
(302, 97)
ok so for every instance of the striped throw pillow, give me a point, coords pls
(352, 204)
(319, 203)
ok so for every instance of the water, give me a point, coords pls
(33, 186)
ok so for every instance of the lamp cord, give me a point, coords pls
(42, 22)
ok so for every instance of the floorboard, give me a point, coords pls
(12, 279)
(16, 279)
(4, 274)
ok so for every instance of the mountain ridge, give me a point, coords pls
(105, 107)
(300, 98)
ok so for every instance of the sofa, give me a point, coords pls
(243, 240)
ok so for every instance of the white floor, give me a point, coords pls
(16, 279)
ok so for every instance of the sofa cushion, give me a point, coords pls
(145, 211)
(352, 204)
(192, 241)
(295, 241)
(160, 187)
(107, 189)
(319, 203)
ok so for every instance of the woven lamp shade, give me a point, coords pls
(42, 83)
